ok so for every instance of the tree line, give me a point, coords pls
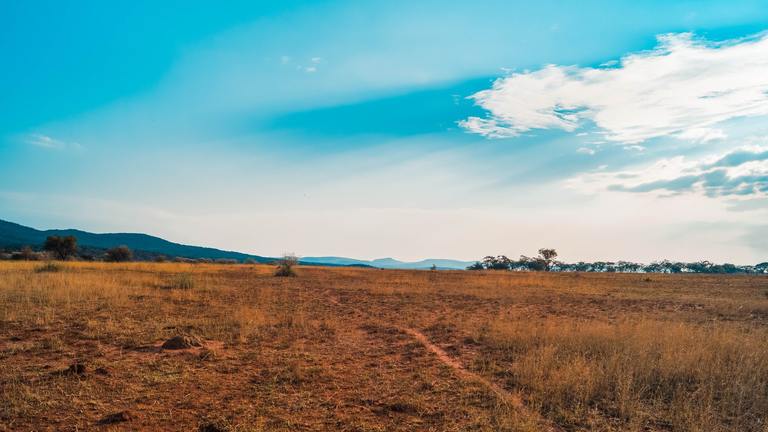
(546, 261)
(65, 248)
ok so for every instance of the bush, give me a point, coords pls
(87, 257)
(119, 254)
(184, 260)
(285, 266)
(49, 267)
(26, 254)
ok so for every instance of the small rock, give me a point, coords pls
(210, 427)
(118, 417)
(181, 342)
(75, 369)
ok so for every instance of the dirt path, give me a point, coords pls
(507, 397)
(501, 393)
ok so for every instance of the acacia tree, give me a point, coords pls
(119, 254)
(547, 257)
(500, 262)
(61, 247)
(476, 266)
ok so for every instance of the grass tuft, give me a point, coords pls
(49, 267)
(183, 281)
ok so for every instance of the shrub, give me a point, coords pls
(26, 254)
(285, 265)
(119, 254)
(49, 267)
(184, 260)
(87, 257)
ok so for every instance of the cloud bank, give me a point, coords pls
(740, 173)
(683, 88)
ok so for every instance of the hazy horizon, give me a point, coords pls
(394, 129)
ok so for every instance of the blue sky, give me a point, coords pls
(635, 130)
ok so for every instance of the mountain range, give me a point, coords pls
(391, 263)
(14, 236)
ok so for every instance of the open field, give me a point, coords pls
(372, 350)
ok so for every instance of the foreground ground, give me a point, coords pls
(372, 350)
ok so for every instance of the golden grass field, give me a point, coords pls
(351, 349)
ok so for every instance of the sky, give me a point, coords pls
(432, 129)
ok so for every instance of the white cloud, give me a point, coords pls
(742, 172)
(635, 147)
(702, 135)
(47, 142)
(683, 88)
(585, 150)
(44, 141)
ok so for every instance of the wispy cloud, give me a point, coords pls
(44, 141)
(682, 88)
(47, 142)
(739, 173)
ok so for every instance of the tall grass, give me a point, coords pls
(644, 374)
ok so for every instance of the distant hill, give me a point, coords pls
(146, 247)
(13, 235)
(391, 263)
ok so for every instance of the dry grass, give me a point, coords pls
(327, 351)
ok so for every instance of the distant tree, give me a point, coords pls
(761, 268)
(548, 257)
(119, 254)
(476, 266)
(533, 264)
(433, 268)
(499, 262)
(160, 259)
(250, 261)
(61, 247)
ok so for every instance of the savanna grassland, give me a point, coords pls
(353, 349)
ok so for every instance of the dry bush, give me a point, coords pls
(49, 267)
(285, 266)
